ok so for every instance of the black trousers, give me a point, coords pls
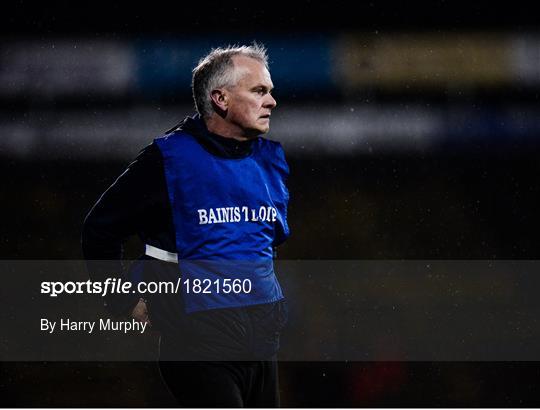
(222, 384)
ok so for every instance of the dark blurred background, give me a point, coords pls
(412, 132)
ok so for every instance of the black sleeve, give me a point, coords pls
(127, 208)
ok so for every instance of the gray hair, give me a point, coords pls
(215, 70)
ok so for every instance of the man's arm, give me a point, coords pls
(123, 210)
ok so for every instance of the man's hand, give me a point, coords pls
(140, 312)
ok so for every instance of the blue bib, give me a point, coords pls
(228, 214)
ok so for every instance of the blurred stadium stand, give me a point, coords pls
(342, 94)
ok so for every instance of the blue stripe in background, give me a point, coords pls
(305, 62)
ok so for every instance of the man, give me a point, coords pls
(209, 201)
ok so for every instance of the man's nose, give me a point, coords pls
(270, 101)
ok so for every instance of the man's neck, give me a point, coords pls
(216, 125)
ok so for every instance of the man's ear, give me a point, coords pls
(219, 98)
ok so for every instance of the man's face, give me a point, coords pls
(250, 101)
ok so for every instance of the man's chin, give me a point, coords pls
(265, 129)
(264, 125)
(255, 132)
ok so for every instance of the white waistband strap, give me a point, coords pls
(161, 254)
